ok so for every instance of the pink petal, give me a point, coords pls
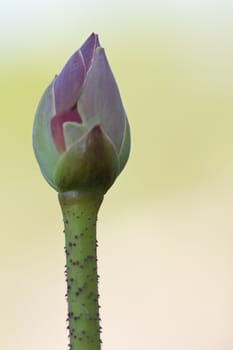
(57, 127)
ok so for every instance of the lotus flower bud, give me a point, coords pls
(81, 135)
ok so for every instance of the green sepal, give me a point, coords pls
(125, 146)
(43, 145)
(91, 164)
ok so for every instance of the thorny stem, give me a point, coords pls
(80, 215)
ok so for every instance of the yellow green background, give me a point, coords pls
(165, 229)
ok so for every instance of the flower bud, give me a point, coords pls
(81, 136)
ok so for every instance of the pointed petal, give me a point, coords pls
(100, 97)
(97, 40)
(88, 49)
(91, 164)
(68, 83)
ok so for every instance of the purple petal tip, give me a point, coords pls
(88, 48)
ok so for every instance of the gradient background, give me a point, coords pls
(165, 228)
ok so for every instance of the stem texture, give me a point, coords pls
(80, 216)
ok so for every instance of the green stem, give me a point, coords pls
(80, 215)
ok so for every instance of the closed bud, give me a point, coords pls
(81, 135)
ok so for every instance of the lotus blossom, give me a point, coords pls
(81, 135)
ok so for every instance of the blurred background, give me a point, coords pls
(165, 229)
